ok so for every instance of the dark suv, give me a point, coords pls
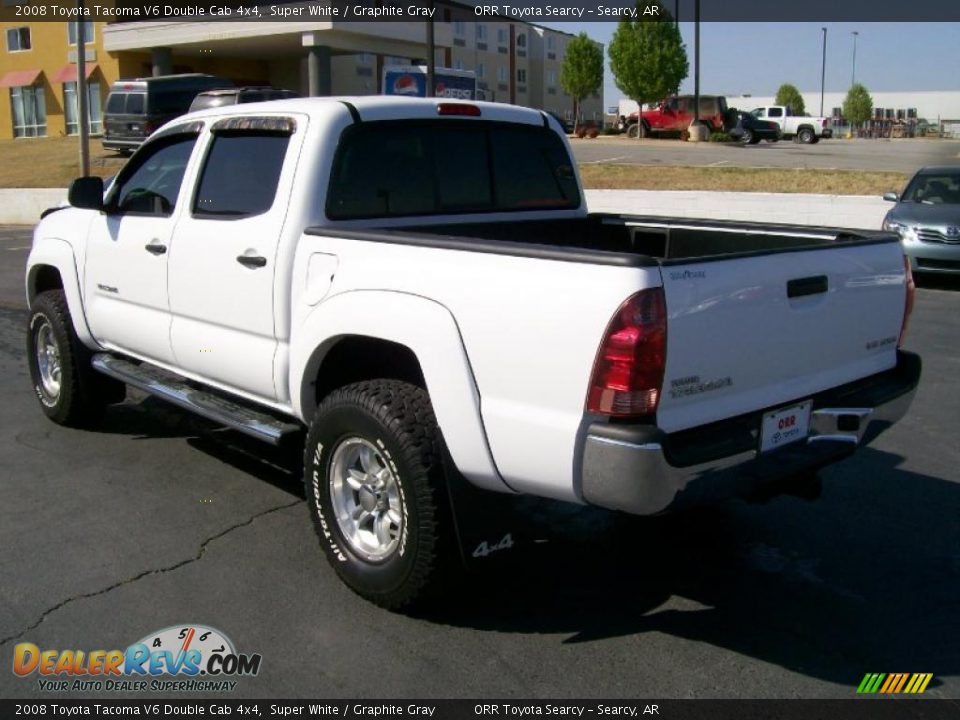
(135, 108)
(235, 96)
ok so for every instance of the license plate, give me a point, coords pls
(784, 426)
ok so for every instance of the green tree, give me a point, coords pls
(790, 96)
(648, 57)
(582, 70)
(858, 105)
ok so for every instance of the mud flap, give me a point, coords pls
(490, 529)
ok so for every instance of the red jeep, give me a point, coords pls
(675, 114)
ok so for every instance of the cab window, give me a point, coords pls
(150, 183)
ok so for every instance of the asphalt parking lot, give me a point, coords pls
(834, 154)
(155, 519)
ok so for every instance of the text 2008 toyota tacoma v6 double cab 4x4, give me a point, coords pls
(419, 286)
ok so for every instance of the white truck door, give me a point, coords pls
(222, 266)
(128, 250)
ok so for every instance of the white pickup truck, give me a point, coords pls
(415, 290)
(805, 129)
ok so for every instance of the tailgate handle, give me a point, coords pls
(801, 287)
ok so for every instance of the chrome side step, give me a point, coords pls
(212, 406)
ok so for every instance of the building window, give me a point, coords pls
(521, 76)
(459, 28)
(481, 32)
(364, 58)
(481, 70)
(392, 60)
(72, 32)
(551, 77)
(29, 112)
(458, 65)
(522, 40)
(94, 112)
(502, 36)
(551, 42)
(502, 74)
(18, 39)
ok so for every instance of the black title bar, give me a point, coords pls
(535, 11)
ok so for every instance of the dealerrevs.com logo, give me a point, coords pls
(180, 658)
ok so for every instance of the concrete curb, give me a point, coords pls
(23, 206)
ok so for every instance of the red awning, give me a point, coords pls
(19, 78)
(68, 73)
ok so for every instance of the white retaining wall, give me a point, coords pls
(23, 206)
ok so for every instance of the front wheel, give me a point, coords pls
(69, 390)
(377, 493)
(747, 137)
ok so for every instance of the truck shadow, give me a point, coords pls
(864, 580)
(867, 577)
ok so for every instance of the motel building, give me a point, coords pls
(514, 61)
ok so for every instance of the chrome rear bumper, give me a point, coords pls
(641, 470)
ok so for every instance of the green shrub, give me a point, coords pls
(721, 137)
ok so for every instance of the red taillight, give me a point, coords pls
(826, 122)
(908, 305)
(458, 109)
(628, 372)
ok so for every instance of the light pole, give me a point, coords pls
(853, 77)
(823, 69)
(83, 130)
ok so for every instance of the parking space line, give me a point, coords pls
(605, 160)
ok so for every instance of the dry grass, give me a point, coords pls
(51, 162)
(830, 182)
(54, 162)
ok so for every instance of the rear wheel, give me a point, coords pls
(806, 136)
(377, 493)
(69, 390)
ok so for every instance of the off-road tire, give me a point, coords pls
(397, 419)
(83, 392)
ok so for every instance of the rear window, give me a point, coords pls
(396, 169)
(125, 103)
(201, 102)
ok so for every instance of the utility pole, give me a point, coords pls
(696, 63)
(82, 111)
(853, 77)
(823, 69)
(431, 52)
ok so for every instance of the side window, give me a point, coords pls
(776, 112)
(151, 183)
(240, 175)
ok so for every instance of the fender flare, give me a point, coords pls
(58, 254)
(430, 331)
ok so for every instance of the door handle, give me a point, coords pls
(252, 261)
(155, 247)
(801, 287)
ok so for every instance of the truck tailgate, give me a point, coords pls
(747, 333)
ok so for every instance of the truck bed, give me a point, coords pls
(654, 239)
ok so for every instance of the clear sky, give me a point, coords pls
(756, 58)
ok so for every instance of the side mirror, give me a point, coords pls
(891, 197)
(86, 193)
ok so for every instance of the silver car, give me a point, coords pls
(927, 217)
